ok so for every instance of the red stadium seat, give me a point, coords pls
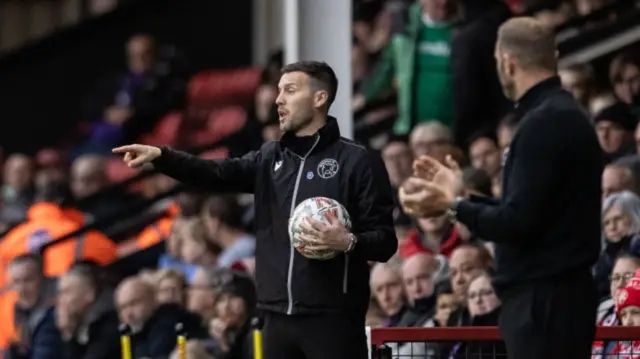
(218, 153)
(166, 131)
(118, 171)
(223, 87)
(220, 123)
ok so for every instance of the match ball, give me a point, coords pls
(317, 208)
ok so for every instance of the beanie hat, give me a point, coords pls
(630, 294)
(620, 114)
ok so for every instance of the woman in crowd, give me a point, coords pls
(231, 327)
(621, 231)
(484, 308)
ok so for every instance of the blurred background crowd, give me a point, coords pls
(88, 244)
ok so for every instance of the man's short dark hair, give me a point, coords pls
(322, 76)
(225, 208)
(34, 258)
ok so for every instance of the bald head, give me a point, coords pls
(617, 178)
(417, 275)
(135, 302)
(529, 43)
(88, 175)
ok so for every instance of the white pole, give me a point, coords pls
(291, 31)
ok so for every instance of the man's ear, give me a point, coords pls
(320, 98)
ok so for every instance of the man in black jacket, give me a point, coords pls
(547, 225)
(314, 309)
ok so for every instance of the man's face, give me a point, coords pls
(26, 280)
(505, 74)
(73, 295)
(398, 161)
(135, 304)
(610, 136)
(485, 156)
(18, 172)
(296, 101)
(201, 299)
(386, 286)
(464, 266)
(417, 275)
(613, 181)
(505, 134)
(140, 54)
(576, 83)
(622, 271)
(86, 179)
(170, 290)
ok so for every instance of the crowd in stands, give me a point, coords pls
(423, 74)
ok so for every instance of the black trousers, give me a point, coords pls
(313, 337)
(552, 318)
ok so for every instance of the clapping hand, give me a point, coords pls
(319, 236)
(433, 188)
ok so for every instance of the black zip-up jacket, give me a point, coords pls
(547, 223)
(281, 175)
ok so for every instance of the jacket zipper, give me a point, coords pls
(293, 207)
(345, 279)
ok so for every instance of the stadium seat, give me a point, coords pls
(223, 87)
(165, 132)
(220, 123)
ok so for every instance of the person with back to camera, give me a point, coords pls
(546, 226)
(313, 309)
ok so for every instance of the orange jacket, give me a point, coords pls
(8, 332)
(151, 234)
(46, 222)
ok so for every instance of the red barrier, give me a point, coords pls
(381, 336)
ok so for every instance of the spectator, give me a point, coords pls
(171, 287)
(434, 236)
(628, 310)
(484, 154)
(30, 305)
(621, 231)
(624, 74)
(222, 216)
(614, 127)
(196, 249)
(506, 130)
(204, 290)
(387, 291)
(467, 262)
(85, 315)
(428, 36)
(152, 325)
(48, 221)
(88, 178)
(484, 308)
(175, 242)
(145, 92)
(417, 275)
(578, 80)
(617, 178)
(431, 138)
(17, 189)
(398, 159)
(445, 302)
(230, 328)
(623, 269)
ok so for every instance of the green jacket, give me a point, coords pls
(398, 62)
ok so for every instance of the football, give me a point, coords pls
(317, 208)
